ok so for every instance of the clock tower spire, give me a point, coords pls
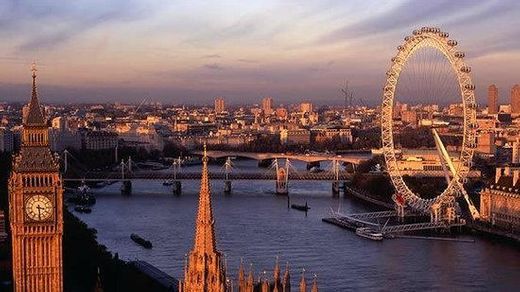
(36, 206)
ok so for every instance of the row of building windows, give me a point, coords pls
(432, 167)
(504, 218)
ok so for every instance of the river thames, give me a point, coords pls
(257, 226)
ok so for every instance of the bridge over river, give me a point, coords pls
(158, 175)
(352, 157)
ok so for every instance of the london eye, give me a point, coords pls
(415, 73)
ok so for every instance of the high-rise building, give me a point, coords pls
(36, 207)
(515, 99)
(267, 105)
(492, 99)
(220, 105)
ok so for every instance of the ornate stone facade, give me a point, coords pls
(36, 207)
(500, 202)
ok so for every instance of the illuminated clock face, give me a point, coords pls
(38, 208)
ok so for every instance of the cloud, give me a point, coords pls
(214, 66)
(47, 24)
(413, 14)
(211, 56)
(322, 67)
(247, 61)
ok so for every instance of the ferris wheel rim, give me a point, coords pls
(434, 38)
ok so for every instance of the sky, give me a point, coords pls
(188, 52)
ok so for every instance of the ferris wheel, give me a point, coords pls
(430, 38)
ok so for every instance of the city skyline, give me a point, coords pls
(128, 51)
(183, 146)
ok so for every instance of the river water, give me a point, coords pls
(257, 226)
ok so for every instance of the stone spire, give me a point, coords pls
(315, 284)
(303, 283)
(241, 277)
(276, 273)
(205, 271)
(277, 284)
(34, 113)
(286, 284)
(250, 280)
(265, 284)
(205, 229)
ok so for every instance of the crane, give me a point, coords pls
(349, 95)
(140, 104)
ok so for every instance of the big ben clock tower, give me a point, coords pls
(36, 206)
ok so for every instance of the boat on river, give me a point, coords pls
(141, 241)
(304, 208)
(83, 196)
(168, 182)
(369, 233)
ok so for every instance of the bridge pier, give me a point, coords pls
(227, 186)
(281, 187)
(282, 178)
(335, 188)
(177, 187)
(126, 187)
(335, 183)
(176, 184)
(400, 212)
(227, 181)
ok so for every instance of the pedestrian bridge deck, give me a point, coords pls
(353, 221)
(155, 175)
